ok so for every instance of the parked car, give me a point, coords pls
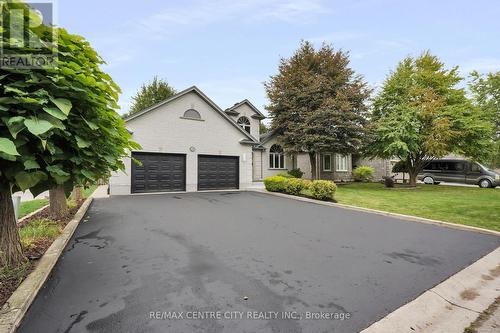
(459, 171)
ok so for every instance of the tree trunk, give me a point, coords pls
(11, 252)
(312, 160)
(413, 177)
(77, 193)
(58, 206)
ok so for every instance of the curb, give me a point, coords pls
(19, 221)
(451, 305)
(19, 302)
(384, 213)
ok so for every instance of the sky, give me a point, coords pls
(228, 48)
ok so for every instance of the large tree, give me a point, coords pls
(317, 102)
(151, 93)
(422, 114)
(485, 91)
(58, 124)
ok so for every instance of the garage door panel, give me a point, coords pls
(158, 173)
(218, 172)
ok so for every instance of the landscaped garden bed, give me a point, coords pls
(37, 232)
(317, 189)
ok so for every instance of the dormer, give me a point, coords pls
(247, 116)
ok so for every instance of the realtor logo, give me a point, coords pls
(28, 35)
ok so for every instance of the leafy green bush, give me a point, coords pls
(297, 173)
(295, 185)
(285, 175)
(363, 173)
(275, 183)
(322, 189)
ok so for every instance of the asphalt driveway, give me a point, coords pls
(136, 262)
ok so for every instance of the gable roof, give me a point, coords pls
(232, 109)
(268, 136)
(202, 96)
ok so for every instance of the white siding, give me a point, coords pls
(163, 130)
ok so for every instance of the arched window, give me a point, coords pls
(192, 113)
(244, 123)
(276, 157)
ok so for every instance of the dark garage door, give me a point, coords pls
(218, 172)
(158, 173)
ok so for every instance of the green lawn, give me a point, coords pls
(30, 206)
(463, 205)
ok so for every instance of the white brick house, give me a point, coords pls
(190, 144)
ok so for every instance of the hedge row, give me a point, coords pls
(317, 189)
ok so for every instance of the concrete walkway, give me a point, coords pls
(101, 192)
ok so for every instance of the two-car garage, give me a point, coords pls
(162, 172)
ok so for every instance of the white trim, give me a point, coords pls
(338, 167)
(273, 154)
(323, 160)
(244, 125)
(232, 108)
(278, 154)
(190, 118)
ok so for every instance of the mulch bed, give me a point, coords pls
(311, 197)
(9, 285)
(402, 187)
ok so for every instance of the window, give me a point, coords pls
(327, 162)
(244, 123)
(341, 161)
(192, 114)
(276, 157)
(474, 167)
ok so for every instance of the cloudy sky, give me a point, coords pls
(228, 48)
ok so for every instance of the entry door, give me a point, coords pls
(158, 173)
(218, 172)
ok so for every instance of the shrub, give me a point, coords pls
(297, 173)
(307, 183)
(389, 181)
(363, 173)
(275, 183)
(295, 185)
(285, 175)
(322, 189)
